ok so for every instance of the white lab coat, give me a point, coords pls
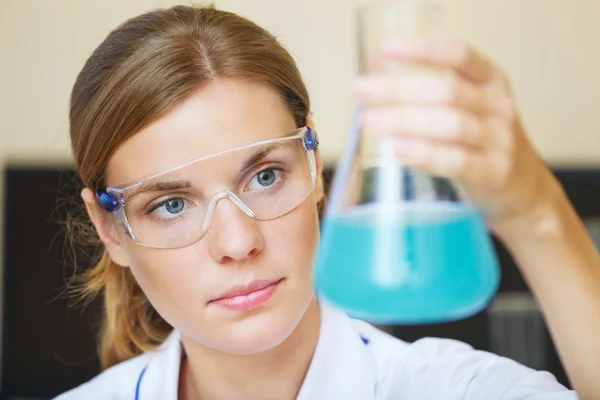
(353, 360)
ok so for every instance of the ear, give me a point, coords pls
(319, 163)
(106, 227)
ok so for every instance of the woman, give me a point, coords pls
(190, 130)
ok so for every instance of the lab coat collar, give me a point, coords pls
(160, 379)
(341, 368)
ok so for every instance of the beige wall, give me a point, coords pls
(548, 47)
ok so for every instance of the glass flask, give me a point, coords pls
(399, 246)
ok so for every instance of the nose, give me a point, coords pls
(233, 235)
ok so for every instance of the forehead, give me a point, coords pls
(221, 115)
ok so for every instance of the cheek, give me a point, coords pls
(172, 280)
(293, 238)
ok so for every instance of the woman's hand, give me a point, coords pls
(466, 128)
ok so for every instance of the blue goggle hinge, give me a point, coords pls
(107, 201)
(311, 139)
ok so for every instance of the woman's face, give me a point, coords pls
(183, 284)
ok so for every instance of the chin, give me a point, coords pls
(261, 329)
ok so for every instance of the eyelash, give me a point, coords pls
(269, 168)
(153, 207)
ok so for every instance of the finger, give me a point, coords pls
(443, 51)
(446, 160)
(445, 124)
(426, 90)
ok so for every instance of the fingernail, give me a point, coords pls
(404, 148)
(363, 89)
(399, 45)
(363, 85)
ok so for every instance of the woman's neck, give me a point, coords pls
(274, 374)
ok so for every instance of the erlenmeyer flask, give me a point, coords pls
(399, 246)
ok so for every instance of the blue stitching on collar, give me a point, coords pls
(137, 387)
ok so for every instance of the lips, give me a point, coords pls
(247, 297)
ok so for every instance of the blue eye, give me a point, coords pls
(169, 208)
(264, 179)
(174, 206)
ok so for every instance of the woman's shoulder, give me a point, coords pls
(436, 368)
(116, 382)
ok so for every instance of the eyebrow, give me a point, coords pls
(161, 187)
(262, 153)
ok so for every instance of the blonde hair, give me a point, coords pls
(143, 69)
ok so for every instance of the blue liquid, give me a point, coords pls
(407, 264)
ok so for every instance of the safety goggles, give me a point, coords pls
(174, 208)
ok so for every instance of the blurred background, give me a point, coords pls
(547, 47)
